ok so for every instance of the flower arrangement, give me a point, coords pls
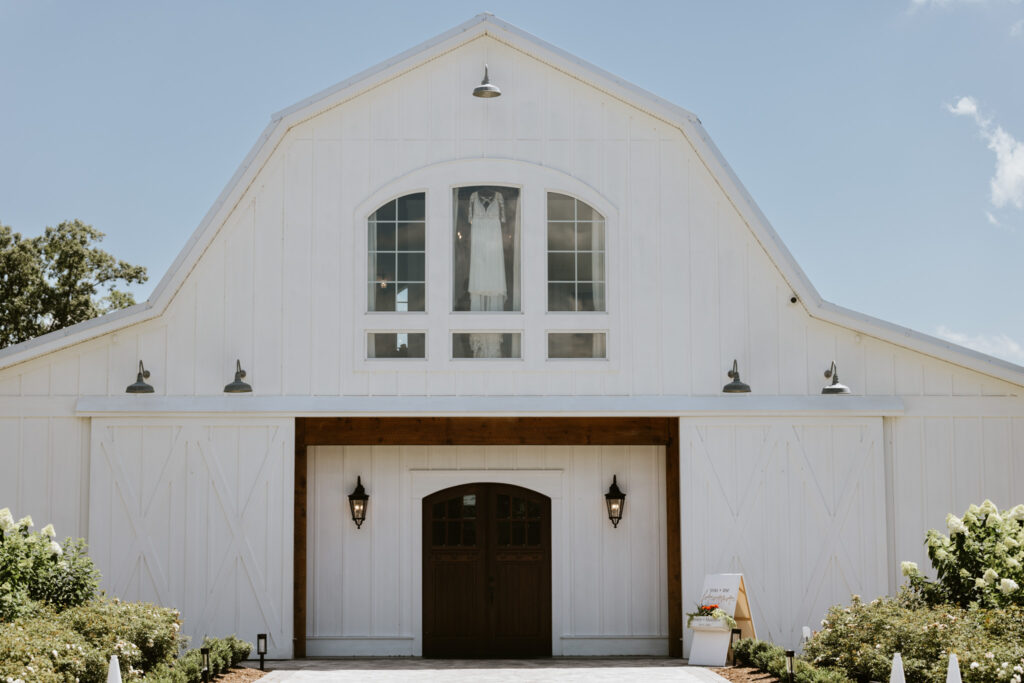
(712, 611)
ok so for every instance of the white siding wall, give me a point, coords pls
(796, 505)
(608, 585)
(197, 514)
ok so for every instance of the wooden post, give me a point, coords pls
(299, 560)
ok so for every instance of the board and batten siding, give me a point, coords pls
(608, 585)
(197, 514)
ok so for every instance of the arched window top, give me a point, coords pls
(396, 271)
(576, 255)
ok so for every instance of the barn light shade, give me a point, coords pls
(139, 386)
(238, 386)
(835, 387)
(615, 499)
(735, 386)
(486, 88)
(357, 502)
(790, 655)
(261, 647)
(206, 663)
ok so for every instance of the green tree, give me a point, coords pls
(57, 279)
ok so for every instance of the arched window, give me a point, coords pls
(576, 272)
(397, 255)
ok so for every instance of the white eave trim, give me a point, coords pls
(487, 24)
(451, 406)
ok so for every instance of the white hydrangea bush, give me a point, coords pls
(980, 562)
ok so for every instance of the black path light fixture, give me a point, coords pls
(238, 386)
(139, 386)
(261, 647)
(790, 655)
(615, 499)
(205, 651)
(357, 503)
(486, 88)
(735, 386)
(834, 388)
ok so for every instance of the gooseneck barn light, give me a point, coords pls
(357, 503)
(238, 386)
(615, 499)
(486, 88)
(139, 386)
(835, 387)
(735, 386)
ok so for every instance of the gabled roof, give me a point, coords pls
(489, 25)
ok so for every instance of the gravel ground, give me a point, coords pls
(745, 674)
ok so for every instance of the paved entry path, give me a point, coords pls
(618, 669)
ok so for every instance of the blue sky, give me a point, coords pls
(883, 140)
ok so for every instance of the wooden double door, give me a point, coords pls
(486, 572)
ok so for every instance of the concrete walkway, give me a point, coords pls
(618, 669)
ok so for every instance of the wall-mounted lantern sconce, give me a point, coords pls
(615, 500)
(835, 387)
(734, 638)
(357, 502)
(206, 664)
(790, 655)
(735, 386)
(238, 386)
(139, 386)
(261, 647)
(486, 88)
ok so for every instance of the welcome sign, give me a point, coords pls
(711, 637)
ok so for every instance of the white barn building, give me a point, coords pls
(485, 309)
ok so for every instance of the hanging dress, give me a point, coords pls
(487, 288)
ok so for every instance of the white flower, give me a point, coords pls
(988, 508)
(55, 549)
(6, 523)
(990, 576)
(980, 583)
(941, 554)
(1010, 562)
(994, 519)
(25, 521)
(975, 665)
(1004, 665)
(48, 531)
(955, 525)
(1011, 542)
(1019, 669)
(908, 568)
(989, 655)
(1007, 586)
(1017, 512)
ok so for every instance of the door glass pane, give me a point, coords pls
(503, 533)
(469, 533)
(503, 506)
(485, 265)
(533, 533)
(438, 532)
(518, 533)
(518, 508)
(533, 509)
(453, 533)
(454, 508)
(438, 510)
(469, 505)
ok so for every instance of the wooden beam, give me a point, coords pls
(299, 534)
(674, 544)
(486, 431)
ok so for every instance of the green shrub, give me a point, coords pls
(980, 562)
(862, 638)
(224, 653)
(771, 659)
(33, 566)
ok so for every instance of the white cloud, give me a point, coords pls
(1017, 28)
(1007, 184)
(998, 345)
(992, 219)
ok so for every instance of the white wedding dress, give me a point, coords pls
(487, 288)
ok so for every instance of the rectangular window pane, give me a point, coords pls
(486, 345)
(485, 263)
(396, 344)
(382, 298)
(590, 266)
(411, 237)
(590, 236)
(561, 266)
(384, 267)
(576, 345)
(561, 296)
(561, 237)
(385, 233)
(590, 296)
(410, 267)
